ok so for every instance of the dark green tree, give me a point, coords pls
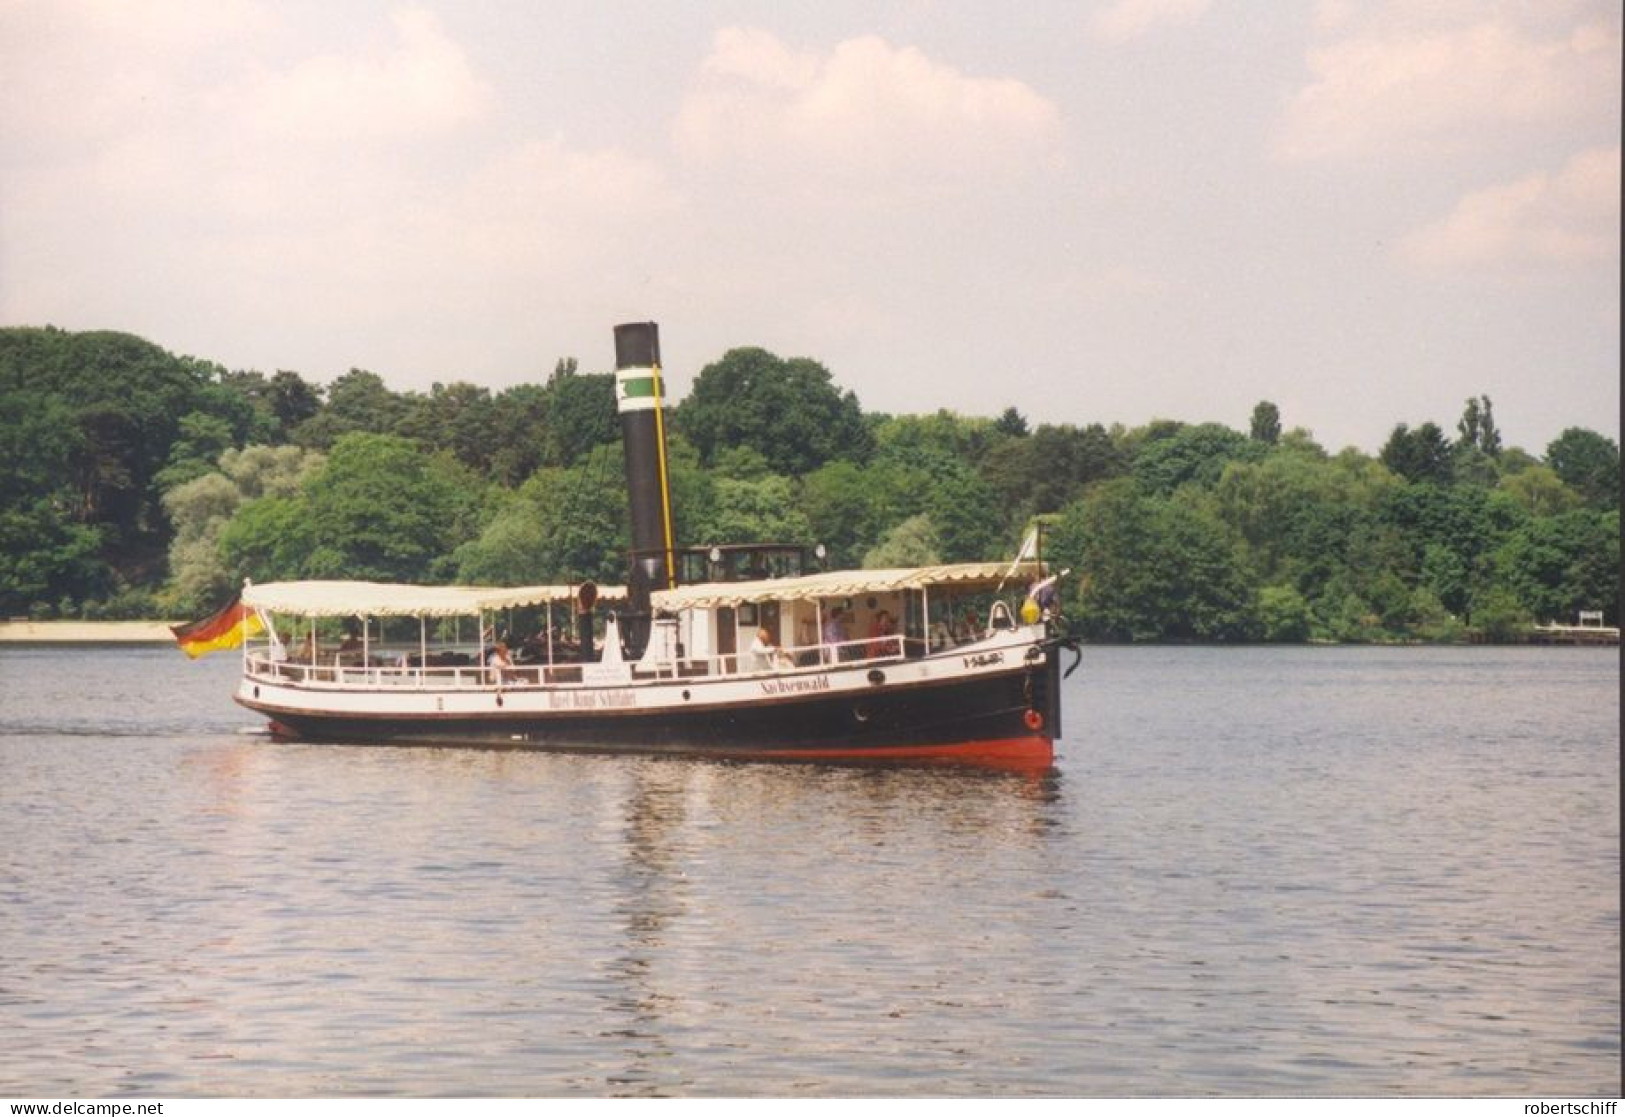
(1266, 424)
(562, 525)
(519, 433)
(1011, 424)
(201, 440)
(292, 400)
(1048, 470)
(459, 419)
(845, 510)
(1588, 463)
(1557, 566)
(581, 416)
(1194, 454)
(358, 401)
(789, 411)
(1153, 568)
(115, 403)
(969, 524)
(1477, 427)
(1448, 534)
(1422, 454)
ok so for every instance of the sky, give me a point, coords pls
(1364, 211)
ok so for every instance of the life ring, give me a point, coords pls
(1034, 720)
(998, 617)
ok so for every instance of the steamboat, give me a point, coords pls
(750, 652)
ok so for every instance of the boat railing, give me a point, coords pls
(346, 673)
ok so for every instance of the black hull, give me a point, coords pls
(1012, 716)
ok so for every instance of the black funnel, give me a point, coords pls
(638, 393)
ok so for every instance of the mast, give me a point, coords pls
(643, 433)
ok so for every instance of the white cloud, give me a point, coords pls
(422, 85)
(866, 108)
(1409, 79)
(275, 184)
(1543, 221)
(1129, 19)
(78, 72)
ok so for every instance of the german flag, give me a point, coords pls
(225, 629)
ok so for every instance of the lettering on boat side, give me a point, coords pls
(591, 699)
(795, 686)
(986, 659)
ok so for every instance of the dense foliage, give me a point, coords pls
(137, 483)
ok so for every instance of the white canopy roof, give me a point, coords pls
(844, 583)
(389, 599)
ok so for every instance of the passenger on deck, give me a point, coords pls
(881, 629)
(1042, 597)
(349, 651)
(835, 627)
(765, 654)
(499, 663)
(835, 630)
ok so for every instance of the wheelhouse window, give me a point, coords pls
(751, 563)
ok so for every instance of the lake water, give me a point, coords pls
(1252, 871)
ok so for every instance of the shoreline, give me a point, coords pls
(85, 632)
(157, 632)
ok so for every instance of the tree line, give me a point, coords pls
(135, 483)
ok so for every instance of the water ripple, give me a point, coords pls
(1253, 872)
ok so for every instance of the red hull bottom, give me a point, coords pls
(1012, 752)
(1021, 753)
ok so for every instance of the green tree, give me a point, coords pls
(788, 410)
(563, 525)
(1011, 424)
(969, 524)
(269, 540)
(520, 433)
(46, 551)
(1283, 615)
(458, 418)
(115, 402)
(1045, 472)
(380, 510)
(911, 543)
(1539, 491)
(201, 440)
(1448, 534)
(1266, 424)
(760, 510)
(1557, 566)
(1196, 454)
(1155, 568)
(845, 510)
(581, 416)
(358, 401)
(941, 435)
(292, 400)
(1477, 427)
(201, 510)
(1422, 454)
(1588, 463)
